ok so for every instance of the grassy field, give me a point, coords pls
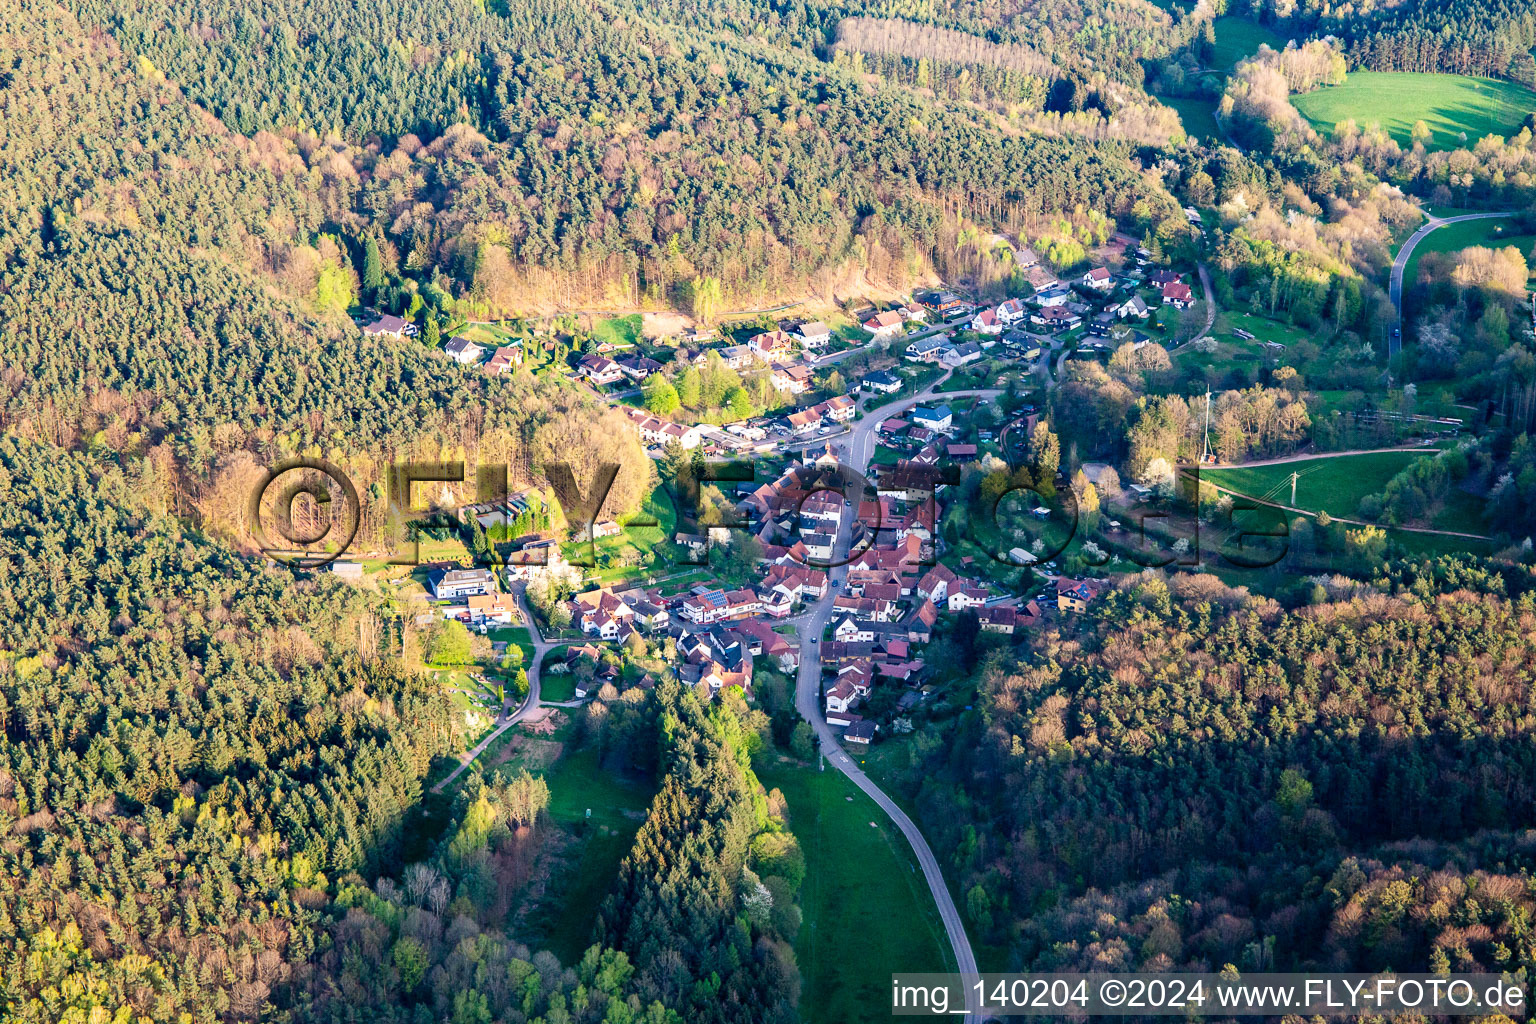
(623, 331)
(632, 544)
(556, 685)
(487, 335)
(1332, 485)
(1494, 234)
(867, 909)
(1448, 104)
(1237, 38)
(1197, 113)
(578, 782)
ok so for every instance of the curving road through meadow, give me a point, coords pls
(1400, 265)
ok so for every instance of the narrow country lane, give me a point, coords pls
(508, 718)
(1400, 265)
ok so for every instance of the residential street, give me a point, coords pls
(860, 449)
(509, 718)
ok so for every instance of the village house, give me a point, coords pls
(912, 313)
(463, 351)
(603, 613)
(1165, 277)
(908, 480)
(861, 732)
(1177, 294)
(966, 595)
(638, 368)
(600, 370)
(945, 303)
(763, 642)
(391, 326)
(838, 410)
(1099, 279)
(1011, 311)
(803, 421)
(997, 620)
(716, 657)
(771, 346)
(986, 322)
(961, 452)
(452, 584)
(884, 325)
(934, 417)
(1055, 318)
(795, 378)
(882, 382)
(737, 357)
(936, 583)
(1077, 595)
(704, 606)
(928, 350)
(814, 335)
(498, 608)
(1134, 306)
(959, 355)
(661, 432)
(505, 358)
(352, 572)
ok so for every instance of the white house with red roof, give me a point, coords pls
(986, 322)
(884, 325)
(1178, 294)
(1099, 279)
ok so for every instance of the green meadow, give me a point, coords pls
(1449, 105)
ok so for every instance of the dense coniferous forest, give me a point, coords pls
(1462, 37)
(194, 744)
(1275, 769)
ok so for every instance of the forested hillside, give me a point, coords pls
(602, 154)
(1328, 787)
(155, 272)
(205, 773)
(195, 746)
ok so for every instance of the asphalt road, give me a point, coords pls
(860, 448)
(1399, 265)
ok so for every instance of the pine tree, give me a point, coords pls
(373, 268)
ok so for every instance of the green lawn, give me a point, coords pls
(867, 909)
(1448, 104)
(1332, 485)
(515, 634)
(620, 330)
(563, 921)
(487, 335)
(631, 544)
(556, 685)
(1493, 234)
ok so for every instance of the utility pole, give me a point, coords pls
(1294, 475)
(1205, 454)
